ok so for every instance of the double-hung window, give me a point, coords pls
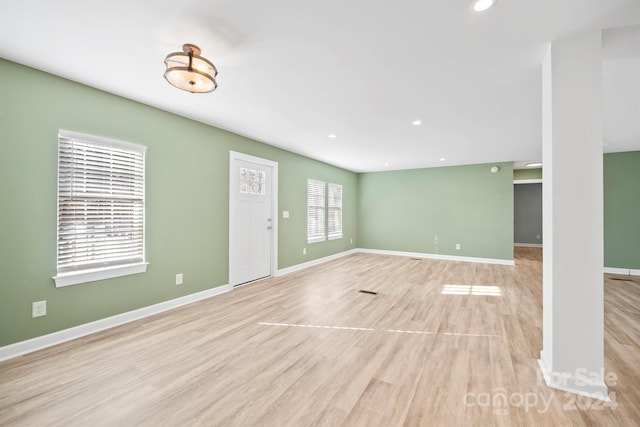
(315, 211)
(334, 203)
(321, 205)
(100, 208)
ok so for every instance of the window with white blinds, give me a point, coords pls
(100, 208)
(334, 204)
(315, 211)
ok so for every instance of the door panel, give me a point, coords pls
(251, 232)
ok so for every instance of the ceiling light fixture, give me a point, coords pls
(416, 122)
(332, 135)
(534, 164)
(189, 71)
(442, 159)
(482, 5)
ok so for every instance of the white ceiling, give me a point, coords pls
(291, 72)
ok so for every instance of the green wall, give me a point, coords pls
(187, 211)
(622, 210)
(519, 174)
(469, 205)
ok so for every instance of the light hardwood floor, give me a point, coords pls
(308, 349)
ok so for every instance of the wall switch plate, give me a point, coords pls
(179, 279)
(457, 246)
(351, 241)
(285, 214)
(38, 309)
(304, 251)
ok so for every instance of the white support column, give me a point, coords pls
(572, 358)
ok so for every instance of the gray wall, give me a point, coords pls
(527, 215)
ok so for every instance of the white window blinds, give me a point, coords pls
(100, 203)
(315, 211)
(335, 210)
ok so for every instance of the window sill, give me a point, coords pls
(316, 239)
(84, 276)
(335, 236)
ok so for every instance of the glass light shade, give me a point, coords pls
(189, 71)
(482, 5)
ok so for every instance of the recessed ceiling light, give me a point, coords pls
(533, 164)
(386, 163)
(332, 135)
(482, 5)
(417, 122)
(442, 159)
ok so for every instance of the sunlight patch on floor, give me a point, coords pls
(492, 291)
(316, 326)
(397, 331)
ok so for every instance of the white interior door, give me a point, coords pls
(252, 219)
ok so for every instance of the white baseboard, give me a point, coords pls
(311, 263)
(572, 384)
(528, 181)
(17, 349)
(528, 245)
(622, 271)
(613, 270)
(437, 256)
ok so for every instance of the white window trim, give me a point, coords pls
(335, 236)
(316, 239)
(84, 276)
(95, 274)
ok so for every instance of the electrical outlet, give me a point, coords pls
(38, 309)
(457, 246)
(538, 236)
(285, 214)
(304, 251)
(351, 241)
(179, 279)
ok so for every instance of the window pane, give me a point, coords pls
(100, 203)
(335, 210)
(315, 210)
(252, 181)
